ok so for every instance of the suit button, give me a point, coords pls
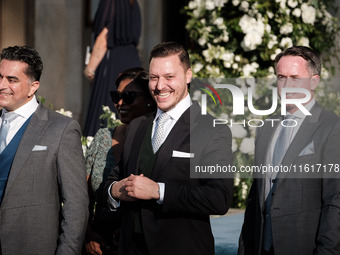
(274, 180)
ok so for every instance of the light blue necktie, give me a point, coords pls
(282, 142)
(158, 137)
(7, 118)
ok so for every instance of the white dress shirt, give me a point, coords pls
(24, 112)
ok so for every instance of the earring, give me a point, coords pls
(148, 105)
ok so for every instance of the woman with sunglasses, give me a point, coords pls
(132, 99)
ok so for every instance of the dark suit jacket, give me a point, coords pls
(181, 224)
(32, 220)
(305, 211)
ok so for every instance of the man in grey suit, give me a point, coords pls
(43, 191)
(286, 214)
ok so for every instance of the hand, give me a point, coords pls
(89, 74)
(93, 248)
(141, 187)
(118, 191)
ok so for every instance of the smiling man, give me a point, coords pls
(167, 211)
(287, 213)
(43, 191)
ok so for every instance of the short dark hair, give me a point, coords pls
(166, 49)
(139, 77)
(312, 58)
(27, 55)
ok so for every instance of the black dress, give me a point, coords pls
(123, 21)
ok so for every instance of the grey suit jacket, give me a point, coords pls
(32, 217)
(305, 211)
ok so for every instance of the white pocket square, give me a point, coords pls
(39, 148)
(309, 149)
(181, 154)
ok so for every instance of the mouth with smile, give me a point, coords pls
(162, 95)
(3, 93)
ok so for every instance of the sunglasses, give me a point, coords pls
(127, 96)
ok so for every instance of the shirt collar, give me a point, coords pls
(299, 114)
(176, 112)
(27, 109)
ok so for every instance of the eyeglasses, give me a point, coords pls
(127, 96)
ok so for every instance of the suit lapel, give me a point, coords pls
(307, 129)
(137, 142)
(177, 135)
(35, 129)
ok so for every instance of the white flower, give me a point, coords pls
(237, 179)
(202, 41)
(220, 3)
(308, 14)
(235, 66)
(227, 64)
(89, 140)
(272, 41)
(282, 4)
(192, 5)
(251, 41)
(247, 146)
(197, 67)
(297, 12)
(248, 69)
(244, 6)
(270, 15)
(273, 56)
(237, 58)
(65, 113)
(113, 116)
(324, 73)
(106, 108)
(286, 42)
(248, 24)
(210, 5)
(303, 41)
(219, 21)
(225, 37)
(236, 2)
(244, 190)
(292, 3)
(238, 131)
(286, 28)
(227, 56)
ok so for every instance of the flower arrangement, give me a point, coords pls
(234, 38)
(240, 39)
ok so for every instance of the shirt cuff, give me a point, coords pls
(113, 204)
(161, 192)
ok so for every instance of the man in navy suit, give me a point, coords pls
(167, 211)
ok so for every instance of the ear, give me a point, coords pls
(33, 88)
(314, 82)
(188, 75)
